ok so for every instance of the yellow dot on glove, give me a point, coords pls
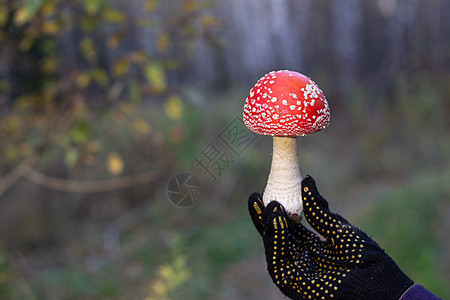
(281, 222)
(257, 208)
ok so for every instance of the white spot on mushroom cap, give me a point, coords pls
(268, 118)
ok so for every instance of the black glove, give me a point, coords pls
(346, 265)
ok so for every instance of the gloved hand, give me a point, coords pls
(346, 265)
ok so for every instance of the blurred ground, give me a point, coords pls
(396, 191)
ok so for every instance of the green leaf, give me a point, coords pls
(135, 91)
(71, 157)
(89, 24)
(3, 15)
(87, 48)
(113, 16)
(80, 133)
(93, 6)
(100, 76)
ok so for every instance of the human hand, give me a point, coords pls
(347, 264)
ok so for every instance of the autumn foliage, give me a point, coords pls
(73, 76)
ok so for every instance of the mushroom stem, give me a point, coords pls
(284, 182)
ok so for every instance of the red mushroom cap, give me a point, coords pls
(286, 103)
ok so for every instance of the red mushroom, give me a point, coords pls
(285, 104)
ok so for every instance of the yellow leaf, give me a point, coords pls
(114, 41)
(88, 48)
(50, 27)
(151, 5)
(49, 64)
(156, 75)
(209, 21)
(3, 15)
(169, 278)
(163, 42)
(99, 76)
(121, 67)
(49, 8)
(159, 289)
(22, 16)
(141, 127)
(174, 107)
(113, 16)
(27, 11)
(115, 163)
(83, 80)
(190, 6)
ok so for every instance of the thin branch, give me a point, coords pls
(95, 186)
(14, 175)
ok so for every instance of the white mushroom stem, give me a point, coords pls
(284, 182)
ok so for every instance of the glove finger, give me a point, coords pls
(317, 212)
(330, 225)
(256, 209)
(300, 236)
(279, 252)
(290, 264)
(297, 235)
(274, 218)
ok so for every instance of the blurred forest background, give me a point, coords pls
(102, 102)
